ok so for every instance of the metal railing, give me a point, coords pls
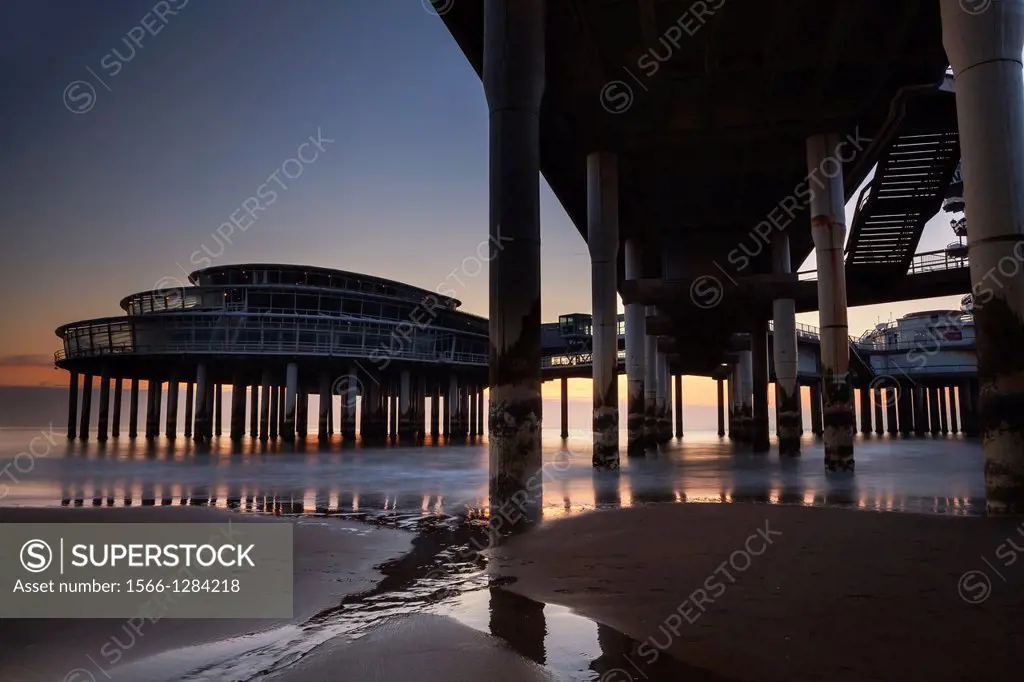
(928, 261)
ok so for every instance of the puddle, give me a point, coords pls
(443, 574)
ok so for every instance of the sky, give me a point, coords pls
(122, 158)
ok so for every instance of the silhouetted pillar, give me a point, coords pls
(920, 412)
(218, 408)
(330, 416)
(905, 407)
(513, 75)
(735, 401)
(153, 389)
(817, 425)
(760, 437)
(325, 406)
(650, 385)
(967, 416)
(275, 411)
(784, 354)
(565, 407)
(933, 409)
(291, 398)
(890, 410)
(984, 49)
(456, 407)
(201, 432)
(446, 413)
(603, 242)
(115, 425)
(953, 425)
(172, 407)
(348, 404)
(238, 407)
(480, 411)
(943, 418)
(133, 410)
(405, 425)
(104, 420)
(721, 407)
(879, 418)
(83, 424)
(746, 418)
(865, 410)
(72, 405)
(265, 406)
(665, 400)
(435, 410)
(678, 405)
(254, 410)
(471, 395)
(636, 341)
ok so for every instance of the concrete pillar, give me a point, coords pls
(678, 404)
(254, 409)
(967, 408)
(984, 50)
(172, 407)
(817, 425)
(650, 385)
(760, 435)
(202, 409)
(446, 411)
(603, 242)
(325, 406)
(275, 411)
(218, 408)
(238, 412)
(564, 433)
(115, 425)
(920, 412)
(291, 401)
(405, 425)
(735, 402)
(828, 229)
(421, 408)
(455, 401)
(464, 411)
(513, 75)
(905, 407)
(865, 410)
(943, 413)
(879, 406)
(480, 411)
(636, 336)
(133, 410)
(104, 419)
(393, 415)
(348, 404)
(83, 423)
(784, 355)
(664, 400)
(890, 410)
(265, 406)
(746, 418)
(471, 396)
(953, 425)
(933, 409)
(721, 407)
(153, 389)
(159, 397)
(72, 405)
(435, 410)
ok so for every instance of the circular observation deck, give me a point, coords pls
(232, 315)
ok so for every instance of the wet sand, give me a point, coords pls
(333, 558)
(839, 595)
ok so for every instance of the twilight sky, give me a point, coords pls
(186, 124)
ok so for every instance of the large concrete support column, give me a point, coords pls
(435, 410)
(348, 404)
(636, 334)
(291, 398)
(650, 385)
(446, 412)
(115, 424)
(513, 75)
(933, 409)
(865, 410)
(984, 49)
(943, 413)
(664, 400)
(877, 400)
(237, 425)
(905, 407)
(471, 395)
(760, 436)
(302, 413)
(967, 415)
(603, 241)
(678, 405)
(920, 412)
(784, 355)
(891, 425)
(564, 433)
(721, 407)
(159, 397)
(735, 402)
(172, 407)
(828, 228)
(746, 384)
(405, 422)
(480, 411)
(325, 406)
(72, 405)
(455, 400)
(133, 410)
(218, 408)
(83, 423)
(104, 419)
(153, 389)
(953, 426)
(421, 408)
(817, 425)
(202, 401)
(264, 406)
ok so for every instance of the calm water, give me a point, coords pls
(918, 474)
